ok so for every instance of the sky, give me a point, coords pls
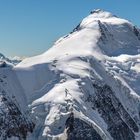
(30, 27)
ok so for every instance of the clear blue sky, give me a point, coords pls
(29, 27)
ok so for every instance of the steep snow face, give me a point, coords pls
(119, 36)
(87, 85)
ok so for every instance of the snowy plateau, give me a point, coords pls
(86, 87)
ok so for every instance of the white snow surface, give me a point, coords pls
(58, 81)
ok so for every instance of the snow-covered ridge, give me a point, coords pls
(86, 86)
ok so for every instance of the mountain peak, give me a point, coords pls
(99, 13)
(96, 16)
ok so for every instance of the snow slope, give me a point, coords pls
(87, 85)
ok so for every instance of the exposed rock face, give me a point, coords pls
(136, 32)
(120, 124)
(13, 123)
(80, 130)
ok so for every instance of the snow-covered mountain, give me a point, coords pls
(4, 61)
(86, 87)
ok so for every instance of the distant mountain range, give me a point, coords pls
(10, 62)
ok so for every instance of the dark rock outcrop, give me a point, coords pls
(120, 124)
(77, 129)
(13, 123)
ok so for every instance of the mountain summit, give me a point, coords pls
(86, 87)
(98, 13)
